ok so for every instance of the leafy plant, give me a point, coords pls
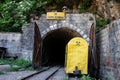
(21, 62)
(1, 72)
(17, 64)
(66, 78)
(101, 23)
(15, 13)
(87, 78)
(85, 5)
(5, 61)
(84, 77)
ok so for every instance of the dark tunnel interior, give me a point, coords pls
(53, 46)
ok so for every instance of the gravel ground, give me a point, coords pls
(60, 75)
(4, 67)
(15, 75)
(12, 75)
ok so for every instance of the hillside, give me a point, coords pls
(15, 13)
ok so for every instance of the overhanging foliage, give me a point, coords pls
(15, 13)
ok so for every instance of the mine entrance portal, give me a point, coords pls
(53, 46)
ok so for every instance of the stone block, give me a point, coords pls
(109, 48)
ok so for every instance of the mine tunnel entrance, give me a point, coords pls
(53, 46)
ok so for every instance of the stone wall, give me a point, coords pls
(80, 23)
(19, 44)
(108, 46)
(27, 42)
(11, 41)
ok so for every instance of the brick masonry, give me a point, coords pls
(108, 46)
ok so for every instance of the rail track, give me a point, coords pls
(49, 73)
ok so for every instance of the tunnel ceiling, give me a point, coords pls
(54, 43)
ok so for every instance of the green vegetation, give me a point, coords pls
(1, 72)
(85, 5)
(84, 77)
(15, 13)
(21, 62)
(18, 64)
(66, 78)
(101, 23)
(5, 61)
(87, 78)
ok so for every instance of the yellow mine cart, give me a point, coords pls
(76, 55)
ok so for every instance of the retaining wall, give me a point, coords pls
(19, 44)
(108, 46)
(11, 41)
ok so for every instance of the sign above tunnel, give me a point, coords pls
(55, 15)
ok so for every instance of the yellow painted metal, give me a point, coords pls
(76, 55)
(55, 15)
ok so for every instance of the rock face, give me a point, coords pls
(108, 9)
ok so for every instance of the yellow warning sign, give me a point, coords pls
(55, 15)
(77, 55)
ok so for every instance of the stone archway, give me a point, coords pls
(78, 23)
(70, 26)
(54, 44)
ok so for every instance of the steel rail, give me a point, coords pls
(52, 73)
(29, 76)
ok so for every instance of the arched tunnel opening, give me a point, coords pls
(54, 44)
